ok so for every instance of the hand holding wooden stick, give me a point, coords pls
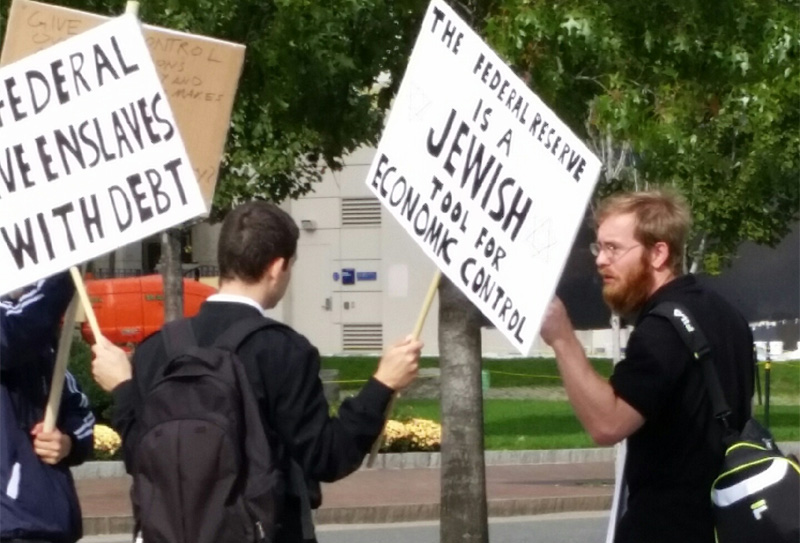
(64, 344)
(426, 306)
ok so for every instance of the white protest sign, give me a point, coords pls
(199, 75)
(90, 155)
(482, 175)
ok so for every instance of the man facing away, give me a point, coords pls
(38, 502)
(256, 252)
(657, 396)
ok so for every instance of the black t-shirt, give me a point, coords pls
(675, 456)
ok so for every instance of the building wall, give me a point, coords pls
(344, 229)
(204, 243)
(352, 232)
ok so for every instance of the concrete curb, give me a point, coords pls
(404, 512)
(108, 525)
(410, 460)
(550, 504)
(99, 469)
(421, 460)
(409, 512)
(412, 512)
(381, 514)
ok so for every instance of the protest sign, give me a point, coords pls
(199, 75)
(482, 175)
(90, 154)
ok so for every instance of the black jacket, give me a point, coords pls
(283, 368)
(38, 500)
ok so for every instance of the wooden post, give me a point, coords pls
(620, 498)
(426, 306)
(767, 370)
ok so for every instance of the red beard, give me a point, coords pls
(632, 290)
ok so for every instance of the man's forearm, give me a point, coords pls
(591, 396)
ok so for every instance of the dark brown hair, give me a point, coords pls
(252, 236)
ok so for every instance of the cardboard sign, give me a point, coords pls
(483, 175)
(199, 75)
(90, 154)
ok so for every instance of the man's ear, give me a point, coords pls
(659, 255)
(275, 267)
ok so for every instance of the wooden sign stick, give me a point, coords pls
(65, 339)
(64, 344)
(426, 306)
(80, 290)
(60, 368)
(67, 329)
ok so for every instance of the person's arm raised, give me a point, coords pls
(605, 416)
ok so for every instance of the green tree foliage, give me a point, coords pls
(700, 96)
(308, 93)
(80, 365)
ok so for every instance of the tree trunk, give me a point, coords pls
(172, 274)
(463, 484)
(697, 261)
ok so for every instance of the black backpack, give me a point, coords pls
(756, 497)
(203, 471)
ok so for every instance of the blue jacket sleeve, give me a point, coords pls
(77, 420)
(34, 316)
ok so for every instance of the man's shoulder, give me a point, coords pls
(695, 296)
(150, 343)
(654, 337)
(709, 308)
(278, 333)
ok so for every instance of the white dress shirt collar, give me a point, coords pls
(236, 299)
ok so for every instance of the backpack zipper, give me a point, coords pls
(262, 535)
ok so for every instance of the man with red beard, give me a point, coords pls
(656, 396)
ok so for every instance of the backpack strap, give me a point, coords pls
(232, 338)
(696, 341)
(297, 483)
(178, 335)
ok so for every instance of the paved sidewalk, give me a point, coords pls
(401, 495)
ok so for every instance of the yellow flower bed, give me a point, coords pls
(412, 435)
(106, 442)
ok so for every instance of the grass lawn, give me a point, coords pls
(514, 424)
(540, 424)
(784, 379)
(542, 372)
(784, 421)
(504, 373)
